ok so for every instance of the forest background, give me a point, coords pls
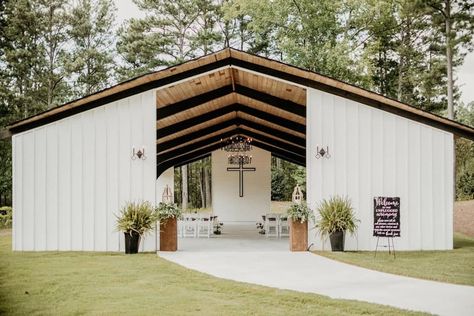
(55, 51)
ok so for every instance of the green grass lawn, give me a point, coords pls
(114, 283)
(454, 266)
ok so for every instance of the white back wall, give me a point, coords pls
(72, 176)
(256, 201)
(375, 153)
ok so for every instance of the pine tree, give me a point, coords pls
(454, 20)
(91, 59)
(54, 38)
(170, 33)
(23, 60)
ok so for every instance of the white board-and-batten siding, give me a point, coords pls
(71, 177)
(376, 153)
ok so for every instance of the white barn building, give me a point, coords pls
(72, 165)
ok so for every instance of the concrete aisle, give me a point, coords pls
(269, 263)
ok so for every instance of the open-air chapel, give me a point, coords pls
(74, 166)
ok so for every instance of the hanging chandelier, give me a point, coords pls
(237, 159)
(237, 144)
(237, 147)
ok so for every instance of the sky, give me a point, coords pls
(126, 9)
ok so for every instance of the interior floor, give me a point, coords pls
(235, 237)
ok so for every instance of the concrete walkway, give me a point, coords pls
(254, 259)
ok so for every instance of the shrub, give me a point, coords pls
(336, 214)
(465, 186)
(166, 211)
(6, 217)
(300, 212)
(136, 217)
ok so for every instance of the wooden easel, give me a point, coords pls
(391, 249)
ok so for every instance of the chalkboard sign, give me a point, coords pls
(387, 216)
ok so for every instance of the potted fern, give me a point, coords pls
(336, 216)
(299, 214)
(135, 220)
(168, 214)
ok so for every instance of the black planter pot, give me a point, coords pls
(337, 240)
(132, 240)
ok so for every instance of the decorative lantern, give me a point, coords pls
(297, 196)
(167, 196)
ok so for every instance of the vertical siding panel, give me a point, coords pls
(352, 164)
(112, 176)
(88, 173)
(317, 139)
(328, 171)
(449, 180)
(100, 205)
(148, 123)
(401, 180)
(52, 188)
(28, 194)
(439, 231)
(426, 189)
(364, 153)
(17, 169)
(136, 130)
(124, 158)
(40, 189)
(340, 146)
(377, 166)
(77, 204)
(311, 166)
(414, 185)
(388, 145)
(64, 203)
(377, 154)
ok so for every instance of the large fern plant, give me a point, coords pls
(336, 214)
(136, 217)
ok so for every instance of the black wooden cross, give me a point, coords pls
(241, 169)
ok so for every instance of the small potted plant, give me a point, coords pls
(168, 214)
(135, 220)
(336, 216)
(299, 214)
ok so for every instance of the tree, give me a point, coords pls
(54, 39)
(310, 34)
(454, 20)
(465, 155)
(91, 59)
(170, 33)
(23, 91)
(285, 176)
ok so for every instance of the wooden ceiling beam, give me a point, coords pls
(183, 105)
(189, 157)
(174, 108)
(204, 151)
(193, 146)
(220, 126)
(236, 107)
(281, 153)
(277, 102)
(274, 141)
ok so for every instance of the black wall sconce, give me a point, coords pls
(322, 152)
(140, 153)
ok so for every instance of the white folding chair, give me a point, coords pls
(181, 227)
(189, 226)
(271, 225)
(204, 226)
(283, 227)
